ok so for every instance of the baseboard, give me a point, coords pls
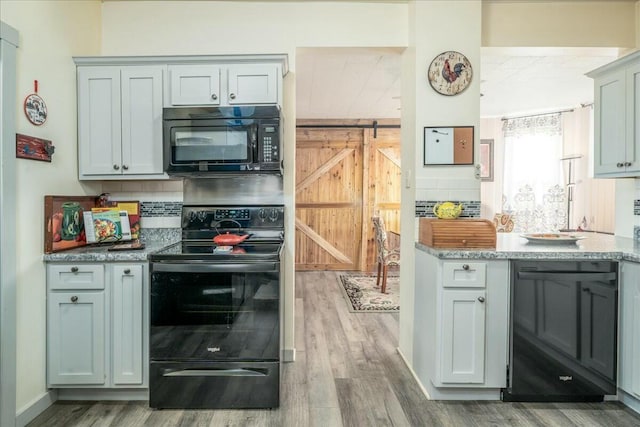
(415, 377)
(29, 412)
(289, 355)
(102, 394)
(629, 401)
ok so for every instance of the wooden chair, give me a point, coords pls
(384, 255)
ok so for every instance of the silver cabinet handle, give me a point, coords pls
(127, 271)
(232, 95)
(627, 164)
(620, 164)
(74, 269)
(481, 299)
(214, 96)
(125, 167)
(74, 299)
(116, 167)
(465, 266)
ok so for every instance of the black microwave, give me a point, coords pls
(209, 140)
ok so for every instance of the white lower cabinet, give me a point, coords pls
(629, 336)
(127, 324)
(76, 350)
(462, 353)
(96, 325)
(460, 325)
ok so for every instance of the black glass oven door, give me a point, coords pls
(204, 311)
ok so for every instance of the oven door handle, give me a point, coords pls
(241, 372)
(262, 267)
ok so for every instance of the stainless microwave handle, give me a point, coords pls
(561, 275)
(181, 267)
(242, 372)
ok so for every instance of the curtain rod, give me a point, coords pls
(570, 110)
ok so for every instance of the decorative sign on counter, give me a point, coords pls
(30, 147)
(63, 221)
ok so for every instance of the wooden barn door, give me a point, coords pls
(383, 176)
(329, 171)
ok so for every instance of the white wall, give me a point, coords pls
(50, 33)
(562, 23)
(422, 106)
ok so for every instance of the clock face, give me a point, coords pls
(450, 73)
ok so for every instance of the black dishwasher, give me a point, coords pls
(563, 332)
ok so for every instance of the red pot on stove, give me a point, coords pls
(228, 239)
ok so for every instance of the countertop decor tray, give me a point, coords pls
(552, 238)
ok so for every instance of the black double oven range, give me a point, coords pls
(215, 311)
(215, 317)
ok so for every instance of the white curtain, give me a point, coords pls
(533, 187)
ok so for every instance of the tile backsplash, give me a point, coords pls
(160, 209)
(471, 208)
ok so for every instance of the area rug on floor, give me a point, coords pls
(362, 295)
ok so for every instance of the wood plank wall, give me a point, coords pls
(343, 177)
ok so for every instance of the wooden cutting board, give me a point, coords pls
(457, 233)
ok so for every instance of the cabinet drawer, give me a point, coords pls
(76, 276)
(464, 274)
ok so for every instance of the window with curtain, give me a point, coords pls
(533, 186)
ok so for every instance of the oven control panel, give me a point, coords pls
(236, 214)
(213, 217)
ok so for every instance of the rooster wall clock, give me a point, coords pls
(450, 73)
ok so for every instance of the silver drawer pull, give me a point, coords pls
(481, 299)
(74, 299)
(127, 271)
(232, 96)
(74, 269)
(465, 267)
(214, 96)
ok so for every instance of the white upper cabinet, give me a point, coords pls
(242, 84)
(617, 118)
(252, 84)
(119, 122)
(194, 85)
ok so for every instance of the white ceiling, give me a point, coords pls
(366, 83)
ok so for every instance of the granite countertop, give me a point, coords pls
(513, 246)
(153, 239)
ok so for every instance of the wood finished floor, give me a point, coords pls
(347, 373)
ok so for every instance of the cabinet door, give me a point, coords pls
(598, 326)
(253, 84)
(127, 323)
(632, 160)
(609, 124)
(99, 121)
(629, 370)
(194, 85)
(76, 338)
(141, 120)
(463, 336)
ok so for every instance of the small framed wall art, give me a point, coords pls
(486, 159)
(451, 145)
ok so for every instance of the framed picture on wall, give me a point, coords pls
(486, 160)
